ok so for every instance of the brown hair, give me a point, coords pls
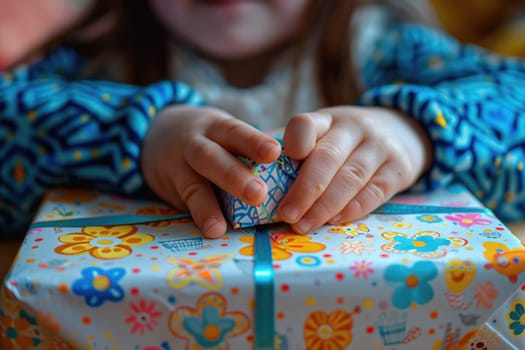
(129, 29)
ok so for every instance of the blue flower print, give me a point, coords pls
(420, 243)
(412, 283)
(429, 218)
(516, 319)
(98, 285)
(211, 330)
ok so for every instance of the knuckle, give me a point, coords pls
(200, 150)
(190, 191)
(368, 126)
(329, 152)
(354, 174)
(354, 209)
(233, 127)
(322, 210)
(376, 192)
(310, 190)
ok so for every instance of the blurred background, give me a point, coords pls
(495, 24)
(28, 23)
(498, 25)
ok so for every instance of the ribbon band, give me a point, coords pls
(407, 209)
(130, 219)
(108, 220)
(264, 291)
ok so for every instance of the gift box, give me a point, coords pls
(425, 271)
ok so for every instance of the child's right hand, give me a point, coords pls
(186, 148)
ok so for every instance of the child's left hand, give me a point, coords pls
(355, 159)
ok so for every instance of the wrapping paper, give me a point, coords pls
(429, 271)
(278, 176)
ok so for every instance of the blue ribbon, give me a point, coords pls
(400, 209)
(264, 291)
(130, 219)
(108, 220)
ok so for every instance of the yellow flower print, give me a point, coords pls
(204, 272)
(350, 229)
(283, 243)
(328, 331)
(103, 242)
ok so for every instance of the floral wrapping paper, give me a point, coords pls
(411, 280)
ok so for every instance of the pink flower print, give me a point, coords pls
(34, 231)
(355, 247)
(467, 219)
(362, 268)
(485, 295)
(142, 316)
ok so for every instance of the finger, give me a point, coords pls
(385, 183)
(198, 195)
(243, 139)
(303, 131)
(318, 171)
(349, 180)
(225, 170)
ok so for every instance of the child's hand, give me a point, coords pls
(186, 148)
(355, 159)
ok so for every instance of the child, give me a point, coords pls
(371, 106)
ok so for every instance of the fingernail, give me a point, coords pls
(253, 190)
(304, 225)
(289, 213)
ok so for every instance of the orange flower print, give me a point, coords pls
(103, 242)
(283, 243)
(18, 332)
(205, 272)
(71, 196)
(209, 325)
(328, 331)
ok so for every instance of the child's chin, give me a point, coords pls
(224, 2)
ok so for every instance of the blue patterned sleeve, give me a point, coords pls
(472, 104)
(58, 131)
